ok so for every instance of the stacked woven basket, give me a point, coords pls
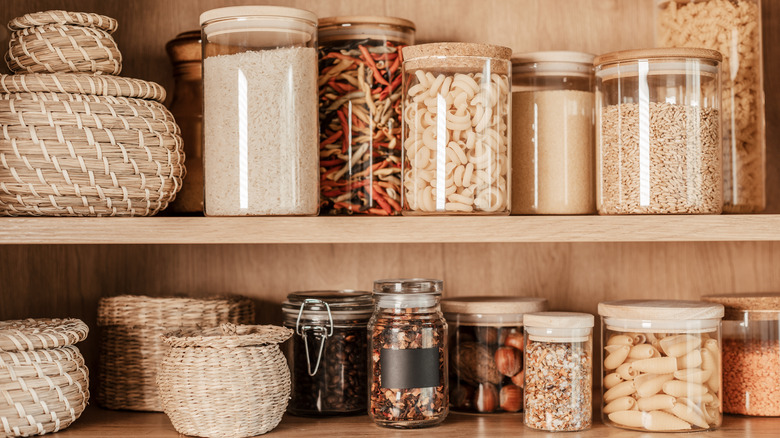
(77, 140)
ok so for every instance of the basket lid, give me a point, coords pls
(456, 49)
(658, 53)
(43, 333)
(558, 320)
(172, 312)
(86, 19)
(229, 336)
(82, 83)
(493, 305)
(660, 309)
(737, 304)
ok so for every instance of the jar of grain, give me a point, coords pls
(558, 371)
(260, 111)
(658, 132)
(360, 113)
(751, 353)
(732, 27)
(552, 133)
(486, 351)
(662, 365)
(456, 116)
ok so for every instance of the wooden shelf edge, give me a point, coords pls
(307, 230)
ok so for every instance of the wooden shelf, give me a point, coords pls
(97, 422)
(216, 230)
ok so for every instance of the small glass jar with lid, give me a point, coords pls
(456, 125)
(360, 113)
(260, 130)
(328, 352)
(751, 353)
(661, 365)
(558, 371)
(732, 27)
(486, 351)
(553, 133)
(408, 354)
(658, 139)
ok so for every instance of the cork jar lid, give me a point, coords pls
(493, 305)
(660, 310)
(456, 49)
(658, 53)
(762, 305)
(559, 320)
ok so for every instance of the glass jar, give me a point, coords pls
(260, 111)
(658, 132)
(187, 107)
(456, 136)
(732, 27)
(486, 351)
(360, 110)
(408, 345)
(558, 371)
(751, 353)
(328, 352)
(552, 133)
(661, 365)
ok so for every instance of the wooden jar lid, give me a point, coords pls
(762, 305)
(558, 320)
(257, 11)
(493, 305)
(660, 309)
(659, 53)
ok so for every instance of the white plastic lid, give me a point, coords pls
(257, 11)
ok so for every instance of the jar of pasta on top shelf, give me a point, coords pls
(456, 129)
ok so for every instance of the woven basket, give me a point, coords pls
(61, 41)
(131, 347)
(85, 145)
(44, 384)
(229, 382)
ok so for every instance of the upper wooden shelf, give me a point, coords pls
(277, 230)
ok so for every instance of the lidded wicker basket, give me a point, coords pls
(226, 382)
(44, 384)
(131, 347)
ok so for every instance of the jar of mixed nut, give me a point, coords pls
(486, 351)
(328, 352)
(408, 365)
(558, 371)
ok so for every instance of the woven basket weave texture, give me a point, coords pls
(44, 383)
(61, 41)
(131, 347)
(226, 382)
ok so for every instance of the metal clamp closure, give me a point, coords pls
(321, 333)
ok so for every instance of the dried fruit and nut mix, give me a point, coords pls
(408, 363)
(558, 371)
(662, 365)
(329, 351)
(486, 351)
(360, 108)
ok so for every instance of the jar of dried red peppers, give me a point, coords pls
(408, 365)
(360, 107)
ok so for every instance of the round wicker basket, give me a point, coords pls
(44, 384)
(131, 347)
(231, 381)
(62, 41)
(85, 145)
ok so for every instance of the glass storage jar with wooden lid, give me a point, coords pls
(751, 353)
(661, 364)
(732, 27)
(552, 133)
(486, 351)
(456, 124)
(658, 132)
(360, 113)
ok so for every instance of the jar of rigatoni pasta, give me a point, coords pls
(662, 365)
(456, 136)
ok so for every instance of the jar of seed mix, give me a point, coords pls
(408, 348)
(732, 27)
(360, 113)
(751, 353)
(558, 371)
(661, 365)
(486, 351)
(658, 145)
(456, 119)
(552, 133)
(260, 134)
(328, 352)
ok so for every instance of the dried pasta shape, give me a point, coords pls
(642, 351)
(627, 371)
(612, 379)
(663, 421)
(627, 418)
(680, 345)
(694, 375)
(656, 365)
(656, 402)
(620, 390)
(620, 404)
(690, 360)
(616, 357)
(711, 362)
(653, 386)
(689, 414)
(620, 340)
(679, 388)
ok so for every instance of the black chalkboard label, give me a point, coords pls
(411, 368)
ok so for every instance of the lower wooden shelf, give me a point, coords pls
(97, 422)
